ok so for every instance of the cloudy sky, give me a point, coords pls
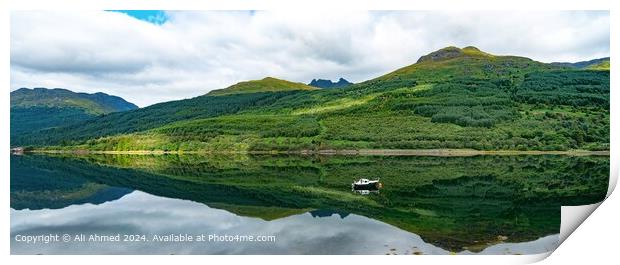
(151, 57)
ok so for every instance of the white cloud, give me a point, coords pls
(195, 52)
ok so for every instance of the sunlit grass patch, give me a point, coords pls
(335, 105)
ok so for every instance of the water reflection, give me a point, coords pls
(143, 213)
(431, 205)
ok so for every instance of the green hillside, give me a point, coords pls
(97, 103)
(590, 64)
(267, 84)
(41, 108)
(603, 65)
(148, 118)
(451, 98)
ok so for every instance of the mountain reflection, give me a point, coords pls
(435, 204)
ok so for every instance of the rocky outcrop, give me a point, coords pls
(450, 53)
(324, 83)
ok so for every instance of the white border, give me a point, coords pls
(312, 5)
(604, 241)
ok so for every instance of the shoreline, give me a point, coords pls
(367, 152)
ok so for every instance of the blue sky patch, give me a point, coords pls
(156, 17)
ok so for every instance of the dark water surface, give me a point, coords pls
(296, 204)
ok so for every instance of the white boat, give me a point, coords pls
(366, 184)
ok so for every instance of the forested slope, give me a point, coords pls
(451, 98)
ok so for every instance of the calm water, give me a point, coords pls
(296, 204)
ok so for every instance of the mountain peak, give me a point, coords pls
(471, 48)
(326, 83)
(451, 52)
(267, 84)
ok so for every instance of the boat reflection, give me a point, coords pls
(365, 192)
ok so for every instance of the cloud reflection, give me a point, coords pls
(142, 213)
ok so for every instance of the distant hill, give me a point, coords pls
(323, 83)
(41, 108)
(97, 103)
(267, 84)
(450, 98)
(601, 66)
(596, 63)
